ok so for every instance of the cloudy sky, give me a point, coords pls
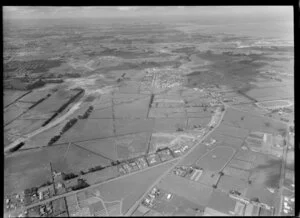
(36, 12)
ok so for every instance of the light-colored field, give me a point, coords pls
(130, 88)
(192, 157)
(221, 202)
(216, 159)
(194, 191)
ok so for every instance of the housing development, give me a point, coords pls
(147, 113)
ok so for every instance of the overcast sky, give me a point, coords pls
(36, 12)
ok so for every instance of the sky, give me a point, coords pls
(42, 12)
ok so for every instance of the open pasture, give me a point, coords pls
(198, 121)
(102, 113)
(194, 191)
(275, 104)
(169, 124)
(14, 111)
(216, 159)
(129, 146)
(245, 155)
(226, 140)
(264, 94)
(34, 96)
(166, 112)
(240, 164)
(88, 129)
(238, 173)
(130, 126)
(134, 109)
(131, 188)
(232, 131)
(249, 121)
(130, 88)
(23, 127)
(9, 96)
(105, 147)
(228, 183)
(192, 157)
(263, 194)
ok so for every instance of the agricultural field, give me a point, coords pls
(228, 183)
(10, 96)
(89, 129)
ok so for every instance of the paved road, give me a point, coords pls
(132, 209)
(42, 129)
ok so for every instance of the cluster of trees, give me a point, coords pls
(53, 140)
(69, 176)
(17, 147)
(114, 163)
(46, 184)
(31, 191)
(81, 184)
(86, 113)
(68, 125)
(96, 168)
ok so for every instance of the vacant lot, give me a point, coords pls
(216, 159)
